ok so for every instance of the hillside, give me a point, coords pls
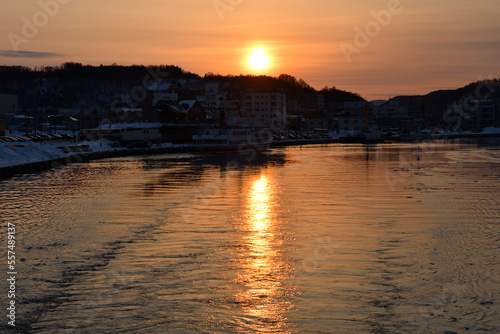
(480, 90)
(77, 86)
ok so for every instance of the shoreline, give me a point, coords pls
(7, 172)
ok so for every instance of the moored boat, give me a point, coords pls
(236, 138)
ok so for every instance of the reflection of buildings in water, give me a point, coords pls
(264, 269)
(232, 161)
(191, 169)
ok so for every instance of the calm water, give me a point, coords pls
(396, 238)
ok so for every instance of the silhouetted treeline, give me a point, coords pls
(73, 85)
(79, 71)
(294, 88)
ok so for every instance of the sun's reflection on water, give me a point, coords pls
(263, 269)
(259, 207)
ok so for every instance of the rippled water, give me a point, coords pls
(397, 238)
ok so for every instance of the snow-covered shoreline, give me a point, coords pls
(19, 153)
(490, 131)
(26, 152)
(58, 154)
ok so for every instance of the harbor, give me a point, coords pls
(359, 238)
(240, 167)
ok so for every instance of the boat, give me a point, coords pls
(235, 137)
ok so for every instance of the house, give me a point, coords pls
(186, 111)
(18, 123)
(60, 122)
(171, 112)
(195, 113)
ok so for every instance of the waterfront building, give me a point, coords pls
(270, 107)
(484, 113)
(391, 114)
(354, 116)
(18, 123)
(218, 103)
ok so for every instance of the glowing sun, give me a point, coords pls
(258, 60)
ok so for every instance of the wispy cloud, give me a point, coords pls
(28, 54)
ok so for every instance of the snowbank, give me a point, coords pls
(18, 153)
(491, 130)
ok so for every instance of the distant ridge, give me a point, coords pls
(485, 89)
(378, 103)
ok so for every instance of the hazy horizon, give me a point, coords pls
(374, 48)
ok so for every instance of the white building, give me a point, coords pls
(211, 95)
(216, 103)
(270, 107)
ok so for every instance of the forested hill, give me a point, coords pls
(480, 90)
(73, 85)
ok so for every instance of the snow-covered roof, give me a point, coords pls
(159, 86)
(132, 109)
(187, 104)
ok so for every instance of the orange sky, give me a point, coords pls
(375, 48)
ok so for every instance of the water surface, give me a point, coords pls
(390, 238)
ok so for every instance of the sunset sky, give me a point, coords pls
(377, 48)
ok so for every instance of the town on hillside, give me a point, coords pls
(143, 105)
